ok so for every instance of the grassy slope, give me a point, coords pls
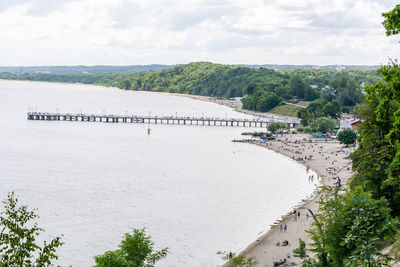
(289, 110)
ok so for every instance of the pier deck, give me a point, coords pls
(206, 121)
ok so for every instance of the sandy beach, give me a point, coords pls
(329, 160)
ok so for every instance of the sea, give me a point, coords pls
(191, 188)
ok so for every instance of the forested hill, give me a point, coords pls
(209, 79)
(264, 88)
(203, 78)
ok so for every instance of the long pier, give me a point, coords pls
(206, 121)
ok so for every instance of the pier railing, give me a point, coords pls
(206, 121)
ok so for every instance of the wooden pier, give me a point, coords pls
(206, 121)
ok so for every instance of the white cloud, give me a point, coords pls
(70, 32)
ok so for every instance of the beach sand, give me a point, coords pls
(324, 154)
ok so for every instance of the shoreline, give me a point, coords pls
(263, 248)
(323, 153)
(256, 248)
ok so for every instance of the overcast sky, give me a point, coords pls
(130, 32)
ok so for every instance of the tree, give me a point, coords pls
(267, 101)
(392, 21)
(262, 103)
(297, 86)
(332, 109)
(304, 115)
(125, 84)
(249, 102)
(315, 108)
(350, 95)
(18, 237)
(347, 137)
(311, 94)
(350, 228)
(274, 127)
(283, 92)
(250, 89)
(326, 124)
(345, 89)
(328, 93)
(135, 250)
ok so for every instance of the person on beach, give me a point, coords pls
(280, 226)
(285, 227)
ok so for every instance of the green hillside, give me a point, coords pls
(289, 110)
(264, 88)
(208, 79)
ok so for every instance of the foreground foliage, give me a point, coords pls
(350, 229)
(234, 260)
(18, 246)
(135, 250)
(377, 161)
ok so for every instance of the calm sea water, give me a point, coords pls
(192, 188)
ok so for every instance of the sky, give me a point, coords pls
(140, 32)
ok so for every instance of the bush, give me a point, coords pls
(308, 130)
(326, 124)
(238, 260)
(274, 127)
(136, 249)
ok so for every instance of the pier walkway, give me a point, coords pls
(206, 121)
